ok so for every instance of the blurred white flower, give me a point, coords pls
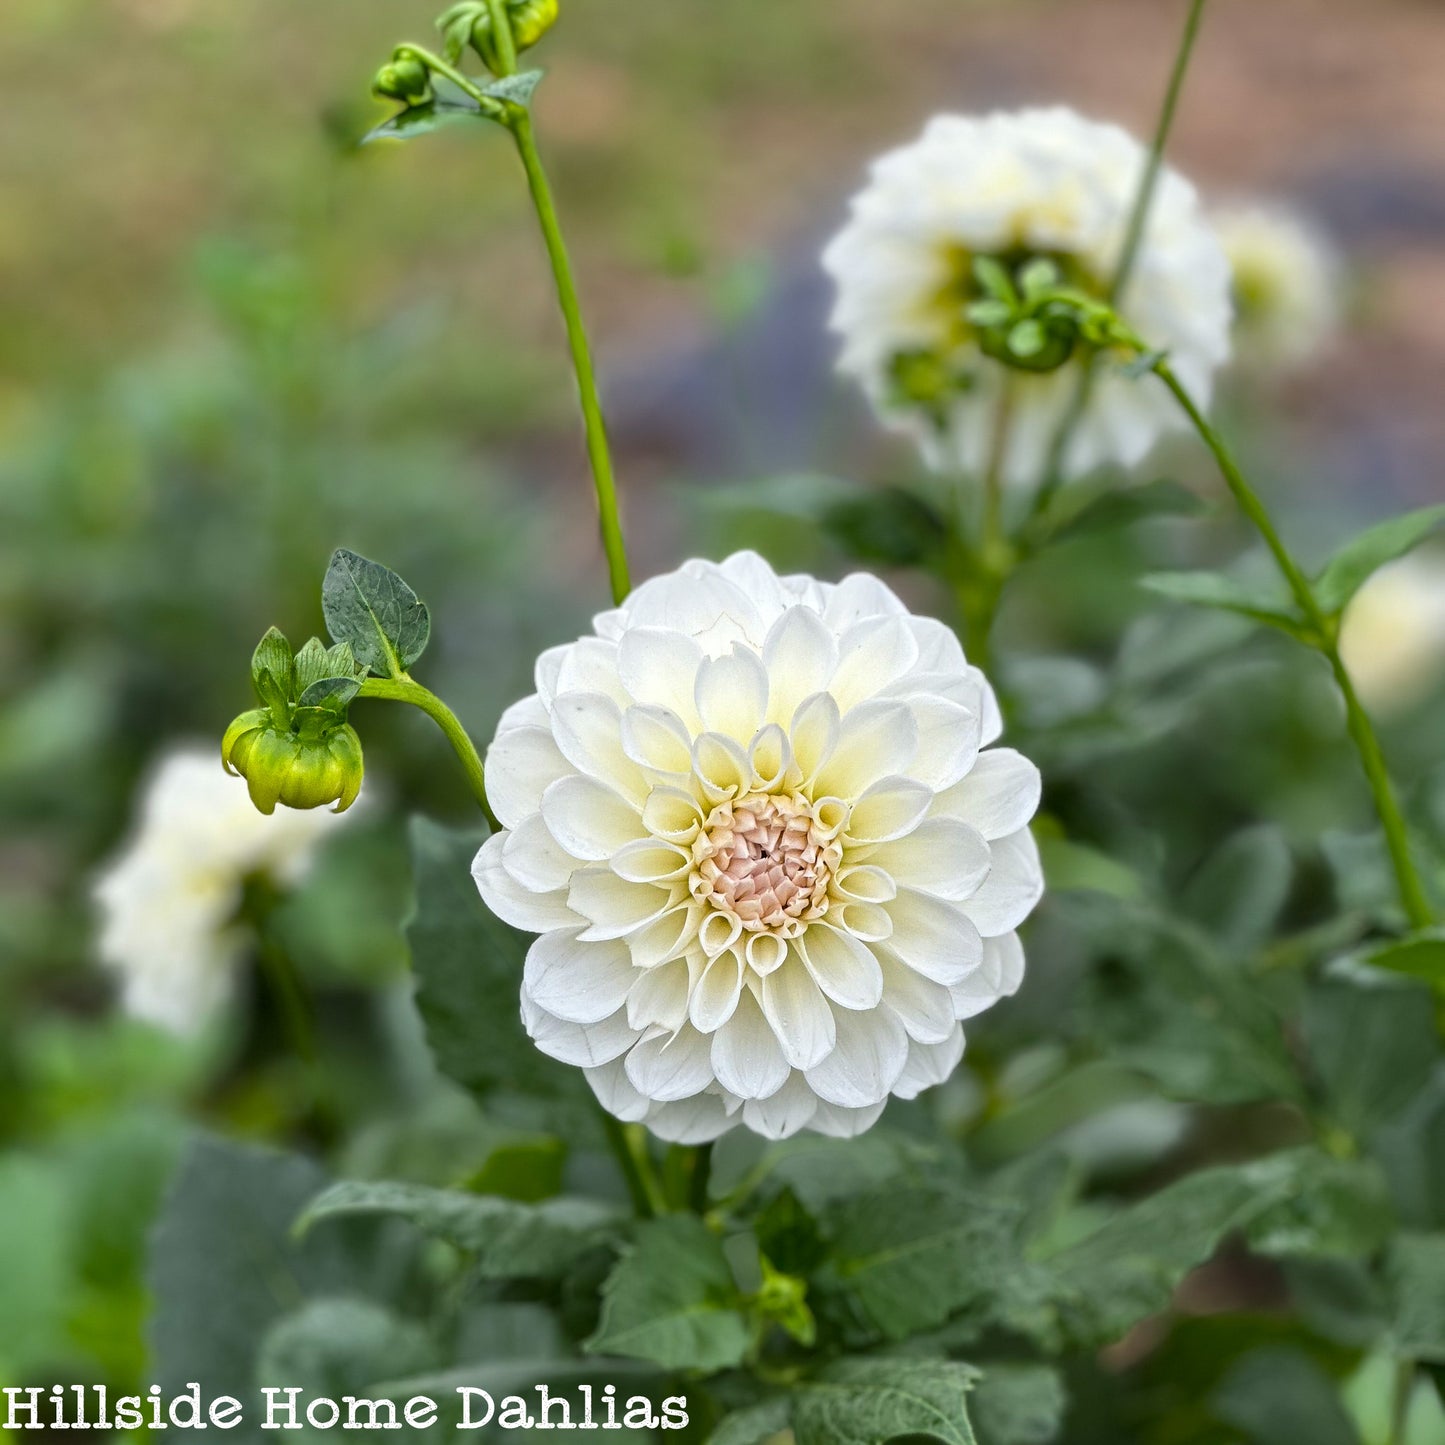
(1287, 283)
(1013, 187)
(769, 864)
(1392, 636)
(168, 901)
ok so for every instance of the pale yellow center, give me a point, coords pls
(766, 860)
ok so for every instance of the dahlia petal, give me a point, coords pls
(929, 1064)
(890, 808)
(588, 819)
(1014, 885)
(865, 884)
(715, 999)
(667, 1066)
(842, 966)
(511, 901)
(658, 999)
(732, 694)
(611, 905)
(534, 859)
(872, 654)
(655, 738)
(616, 1094)
(673, 814)
(866, 1062)
(649, 861)
(770, 755)
(782, 1114)
(869, 922)
(859, 596)
(521, 765)
(588, 730)
(666, 937)
(998, 976)
(698, 1120)
(814, 733)
(800, 654)
(746, 1055)
(659, 667)
(798, 1014)
(765, 953)
(939, 649)
(924, 1008)
(876, 739)
(579, 983)
(948, 741)
(942, 856)
(936, 938)
(583, 1046)
(837, 1123)
(998, 796)
(589, 665)
(529, 712)
(721, 766)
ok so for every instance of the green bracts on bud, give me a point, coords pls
(470, 23)
(403, 78)
(297, 747)
(305, 769)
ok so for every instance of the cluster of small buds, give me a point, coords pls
(297, 748)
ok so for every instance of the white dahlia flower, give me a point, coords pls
(1392, 636)
(168, 902)
(1016, 186)
(770, 868)
(1287, 283)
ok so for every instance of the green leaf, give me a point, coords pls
(1415, 1276)
(34, 1245)
(1265, 605)
(450, 105)
(1121, 507)
(1075, 867)
(468, 967)
(508, 1240)
(1026, 339)
(1018, 1405)
(335, 694)
(994, 279)
(888, 526)
(989, 313)
(1360, 558)
(272, 670)
(671, 1300)
(1340, 1208)
(224, 1235)
(1373, 1045)
(515, 89)
(370, 607)
(1422, 955)
(1128, 1269)
(337, 1346)
(873, 1402)
(910, 1259)
(1278, 1394)
(756, 1425)
(1240, 891)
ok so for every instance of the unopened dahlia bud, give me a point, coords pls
(470, 23)
(404, 78)
(314, 762)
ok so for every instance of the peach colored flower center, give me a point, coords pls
(767, 860)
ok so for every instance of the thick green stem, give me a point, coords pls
(629, 1147)
(1324, 637)
(1128, 255)
(403, 689)
(700, 1184)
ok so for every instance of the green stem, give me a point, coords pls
(1404, 1388)
(598, 452)
(629, 1147)
(403, 689)
(1128, 256)
(1324, 638)
(502, 34)
(699, 1186)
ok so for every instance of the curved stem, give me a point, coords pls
(598, 452)
(403, 689)
(1128, 256)
(1323, 637)
(629, 1147)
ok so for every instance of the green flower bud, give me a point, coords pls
(404, 78)
(531, 20)
(471, 22)
(315, 762)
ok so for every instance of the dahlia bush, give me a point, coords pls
(763, 846)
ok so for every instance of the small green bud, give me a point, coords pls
(531, 20)
(404, 78)
(319, 763)
(470, 23)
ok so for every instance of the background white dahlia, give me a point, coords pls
(770, 868)
(1288, 280)
(1392, 635)
(168, 901)
(1014, 186)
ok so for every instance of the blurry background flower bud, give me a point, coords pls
(470, 23)
(404, 78)
(1392, 636)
